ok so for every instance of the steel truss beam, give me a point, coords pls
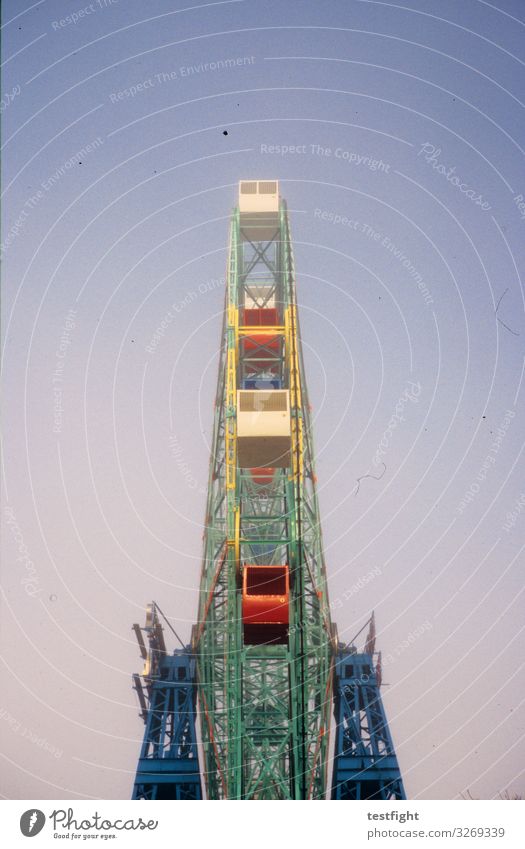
(265, 708)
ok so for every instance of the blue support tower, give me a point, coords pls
(365, 762)
(168, 766)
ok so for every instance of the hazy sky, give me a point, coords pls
(396, 132)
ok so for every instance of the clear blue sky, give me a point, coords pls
(396, 133)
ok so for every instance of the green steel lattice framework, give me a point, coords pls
(265, 708)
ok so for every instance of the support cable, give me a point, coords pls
(169, 624)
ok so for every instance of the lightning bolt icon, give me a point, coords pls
(32, 820)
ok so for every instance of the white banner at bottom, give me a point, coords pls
(450, 824)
